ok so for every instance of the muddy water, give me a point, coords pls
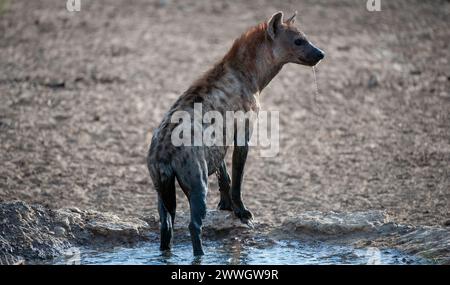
(279, 252)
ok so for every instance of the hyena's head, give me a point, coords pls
(289, 44)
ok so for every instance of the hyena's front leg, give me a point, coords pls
(224, 188)
(239, 158)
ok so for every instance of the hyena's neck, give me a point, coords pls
(251, 59)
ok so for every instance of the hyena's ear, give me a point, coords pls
(274, 24)
(291, 20)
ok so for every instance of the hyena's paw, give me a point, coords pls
(245, 216)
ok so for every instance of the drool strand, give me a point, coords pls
(316, 93)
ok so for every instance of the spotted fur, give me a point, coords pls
(233, 84)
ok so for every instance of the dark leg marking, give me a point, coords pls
(239, 158)
(167, 208)
(198, 213)
(224, 188)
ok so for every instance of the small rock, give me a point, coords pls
(447, 223)
(373, 82)
(335, 224)
(65, 222)
(344, 48)
(59, 231)
(75, 210)
(55, 84)
(415, 72)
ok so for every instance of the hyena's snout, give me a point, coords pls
(313, 55)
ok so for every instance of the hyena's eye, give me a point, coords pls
(299, 42)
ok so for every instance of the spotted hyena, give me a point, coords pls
(233, 84)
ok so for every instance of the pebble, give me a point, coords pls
(59, 231)
(372, 82)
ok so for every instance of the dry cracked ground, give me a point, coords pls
(80, 94)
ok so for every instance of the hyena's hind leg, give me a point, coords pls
(194, 182)
(167, 220)
(224, 188)
(165, 186)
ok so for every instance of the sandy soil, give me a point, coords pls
(80, 94)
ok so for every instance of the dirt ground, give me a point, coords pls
(80, 94)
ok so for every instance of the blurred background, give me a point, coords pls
(81, 92)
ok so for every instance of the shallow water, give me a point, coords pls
(280, 252)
